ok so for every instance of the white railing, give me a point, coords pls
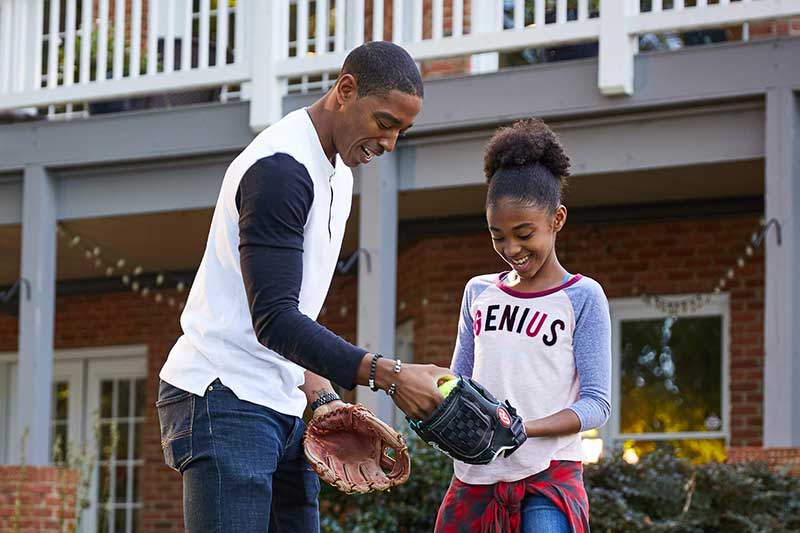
(64, 51)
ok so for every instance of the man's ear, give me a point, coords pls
(560, 218)
(346, 89)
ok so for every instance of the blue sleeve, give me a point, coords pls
(274, 199)
(464, 353)
(592, 348)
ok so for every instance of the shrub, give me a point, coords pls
(660, 493)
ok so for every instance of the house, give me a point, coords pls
(682, 120)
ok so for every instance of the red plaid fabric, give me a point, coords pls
(496, 508)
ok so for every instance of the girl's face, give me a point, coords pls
(523, 235)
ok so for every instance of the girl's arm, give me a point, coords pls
(592, 349)
(564, 422)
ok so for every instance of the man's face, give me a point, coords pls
(370, 125)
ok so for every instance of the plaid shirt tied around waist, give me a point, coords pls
(497, 508)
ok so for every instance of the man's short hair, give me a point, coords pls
(380, 67)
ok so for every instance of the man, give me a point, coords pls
(252, 357)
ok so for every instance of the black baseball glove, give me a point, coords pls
(472, 426)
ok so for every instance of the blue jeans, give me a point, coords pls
(242, 464)
(540, 515)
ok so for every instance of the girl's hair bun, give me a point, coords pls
(525, 143)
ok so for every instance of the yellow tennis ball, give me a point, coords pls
(446, 387)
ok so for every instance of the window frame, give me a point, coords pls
(94, 364)
(636, 309)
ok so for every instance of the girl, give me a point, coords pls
(538, 336)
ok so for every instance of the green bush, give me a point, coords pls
(660, 493)
(665, 493)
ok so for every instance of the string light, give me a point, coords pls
(94, 253)
(697, 301)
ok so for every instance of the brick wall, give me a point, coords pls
(776, 458)
(37, 499)
(658, 257)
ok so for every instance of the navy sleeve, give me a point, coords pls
(274, 199)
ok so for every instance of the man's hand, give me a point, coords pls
(416, 393)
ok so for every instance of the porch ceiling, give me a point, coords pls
(175, 240)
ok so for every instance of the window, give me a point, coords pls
(96, 392)
(670, 380)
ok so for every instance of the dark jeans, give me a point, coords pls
(242, 464)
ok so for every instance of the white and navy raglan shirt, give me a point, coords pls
(543, 352)
(275, 238)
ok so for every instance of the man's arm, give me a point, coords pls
(274, 199)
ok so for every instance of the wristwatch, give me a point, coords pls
(325, 398)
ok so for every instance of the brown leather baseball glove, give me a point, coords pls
(347, 448)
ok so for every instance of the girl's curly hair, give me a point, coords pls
(526, 162)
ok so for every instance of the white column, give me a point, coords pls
(782, 287)
(377, 277)
(37, 315)
(617, 48)
(485, 17)
(268, 32)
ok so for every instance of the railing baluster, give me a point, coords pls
(204, 32)
(437, 31)
(677, 4)
(416, 21)
(101, 69)
(583, 9)
(6, 14)
(186, 40)
(355, 33)
(539, 13)
(301, 23)
(339, 26)
(53, 43)
(152, 37)
(458, 18)
(702, 3)
(398, 23)
(561, 11)
(69, 44)
(87, 28)
(519, 14)
(239, 32)
(657, 6)
(35, 67)
(169, 37)
(321, 27)
(119, 38)
(136, 39)
(377, 20)
(222, 33)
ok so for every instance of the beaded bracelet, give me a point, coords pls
(398, 365)
(372, 368)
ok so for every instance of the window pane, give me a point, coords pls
(140, 390)
(106, 388)
(123, 398)
(121, 483)
(60, 400)
(102, 519)
(698, 451)
(671, 375)
(104, 490)
(122, 441)
(119, 521)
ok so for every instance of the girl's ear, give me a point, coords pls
(560, 218)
